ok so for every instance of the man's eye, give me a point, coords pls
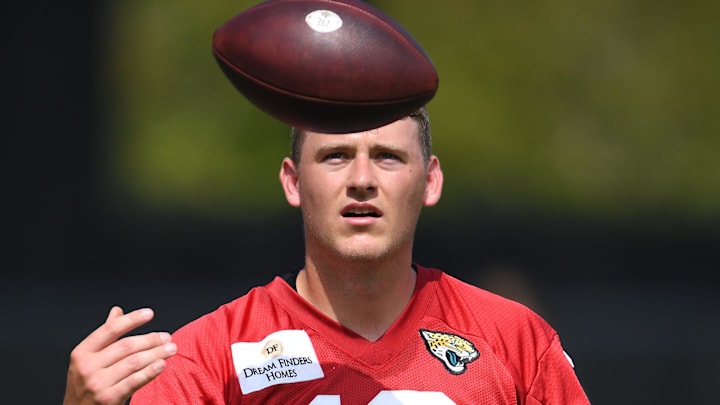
(387, 155)
(333, 156)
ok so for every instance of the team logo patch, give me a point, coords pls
(453, 351)
(283, 357)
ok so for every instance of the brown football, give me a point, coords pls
(325, 65)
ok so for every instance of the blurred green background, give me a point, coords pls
(606, 109)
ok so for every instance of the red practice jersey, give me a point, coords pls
(454, 344)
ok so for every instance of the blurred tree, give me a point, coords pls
(598, 108)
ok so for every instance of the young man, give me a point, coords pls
(359, 324)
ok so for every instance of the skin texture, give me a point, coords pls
(358, 268)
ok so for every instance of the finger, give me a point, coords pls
(115, 327)
(133, 382)
(141, 360)
(136, 370)
(131, 345)
(96, 373)
(115, 312)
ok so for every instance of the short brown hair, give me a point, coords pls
(421, 116)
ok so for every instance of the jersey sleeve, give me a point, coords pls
(182, 382)
(201, 372)
(556, 382)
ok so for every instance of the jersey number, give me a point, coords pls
(393, 398)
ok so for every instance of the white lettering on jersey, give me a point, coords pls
(411, 397)
(393, 398)
(283, 357)
(567, 356)
(326, 400)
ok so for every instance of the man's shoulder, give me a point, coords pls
(484, 306)
(502, 322)
(472, 294)
(226, 320)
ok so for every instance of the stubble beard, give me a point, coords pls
(360, 248)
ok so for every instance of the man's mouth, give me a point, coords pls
(360, 212)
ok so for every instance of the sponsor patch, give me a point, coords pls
(283, 357)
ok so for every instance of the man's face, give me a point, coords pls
(361, 193)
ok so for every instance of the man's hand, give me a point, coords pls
(105, 369)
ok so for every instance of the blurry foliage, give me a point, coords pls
(603, 108)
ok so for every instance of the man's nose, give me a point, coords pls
(362, 177)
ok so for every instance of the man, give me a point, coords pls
(359, 324)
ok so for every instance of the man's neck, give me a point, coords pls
(363, 297)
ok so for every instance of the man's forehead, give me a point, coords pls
(372, 138)
(399, 129)
(374, 131)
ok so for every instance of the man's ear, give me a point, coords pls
(434, 182)
(289, 180)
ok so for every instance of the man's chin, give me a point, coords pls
(364, 252)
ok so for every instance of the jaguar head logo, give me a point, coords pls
(453, 351)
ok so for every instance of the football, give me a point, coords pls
(326, 66)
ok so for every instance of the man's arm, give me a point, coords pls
(107, 368)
